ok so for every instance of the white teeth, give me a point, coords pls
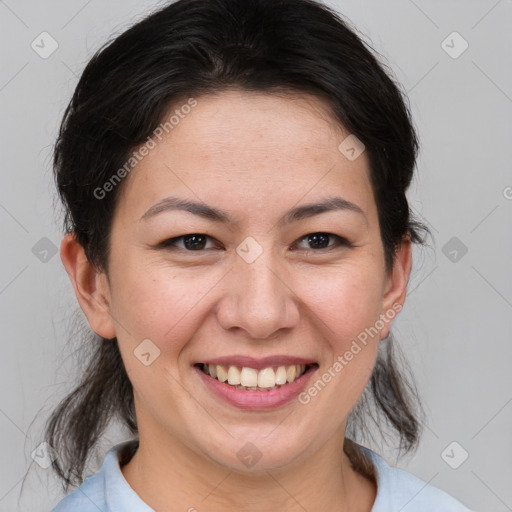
(233, 376)
(291, 373)
(266, 378)
(281, 376)
(251, 379)
(222, 374)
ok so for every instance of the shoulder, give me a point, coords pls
(106, 490)
(399, 490)
(89, 497)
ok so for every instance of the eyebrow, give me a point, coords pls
(217, 215)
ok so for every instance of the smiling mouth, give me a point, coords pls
(251, 379)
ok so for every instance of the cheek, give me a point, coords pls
(345, 307)
(164, 307)
(160, 304)
(346, 301)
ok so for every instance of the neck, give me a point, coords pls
(324, 482)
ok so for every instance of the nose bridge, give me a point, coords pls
(262, 285)
(261, 302)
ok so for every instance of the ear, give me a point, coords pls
(396, 285)
(91, 287)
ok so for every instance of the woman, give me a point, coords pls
(238, 237)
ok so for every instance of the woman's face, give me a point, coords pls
(286, 268)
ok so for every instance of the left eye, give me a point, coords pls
(321, 241)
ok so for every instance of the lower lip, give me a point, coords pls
(257, 400)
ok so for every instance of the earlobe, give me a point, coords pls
(90, 285)
(396, 285)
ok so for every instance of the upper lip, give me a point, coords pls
(257, 363)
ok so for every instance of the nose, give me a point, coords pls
(258, 300)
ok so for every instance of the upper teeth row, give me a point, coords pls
(249, 377)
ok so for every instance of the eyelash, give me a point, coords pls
(339, 241)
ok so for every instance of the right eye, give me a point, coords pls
(190, 242)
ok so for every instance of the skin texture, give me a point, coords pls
(255, 156)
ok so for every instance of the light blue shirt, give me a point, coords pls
(397, 491)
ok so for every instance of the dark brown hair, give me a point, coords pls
(194, 47)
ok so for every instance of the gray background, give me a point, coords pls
(455, 328)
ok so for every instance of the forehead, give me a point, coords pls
(248, 125)
(241, 148)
